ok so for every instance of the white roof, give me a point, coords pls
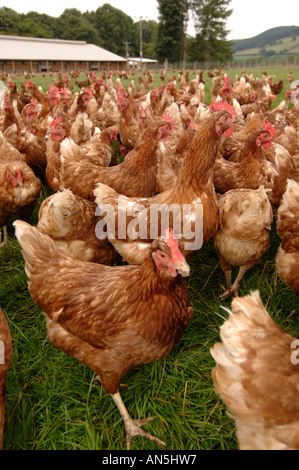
(26, 48)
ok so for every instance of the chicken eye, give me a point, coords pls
(162, 254)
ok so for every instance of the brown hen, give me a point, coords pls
(19, 192)
(5, 362)
(257, 377)
(245, 217)
(110, 318)
(71, 222)
(287, 258)
(136, 176)
(252, 168)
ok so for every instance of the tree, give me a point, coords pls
(72, 25)
(150, 38)
(35, 25)
(172, 29)
(8, 19)
(211, 42)
(114, 29)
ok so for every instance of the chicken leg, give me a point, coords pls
(232, 289)
(133, 427)
(4, 236)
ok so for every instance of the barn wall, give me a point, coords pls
(18, 66)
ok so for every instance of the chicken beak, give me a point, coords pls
(183, 268)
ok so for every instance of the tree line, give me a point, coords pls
(112, 29)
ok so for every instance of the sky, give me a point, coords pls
(248, 19)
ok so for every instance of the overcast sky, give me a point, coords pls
(248, 19)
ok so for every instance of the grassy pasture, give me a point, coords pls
(54, 403)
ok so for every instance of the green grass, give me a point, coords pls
(55, 403)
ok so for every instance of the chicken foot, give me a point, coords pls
(232, 289)
(133, 427)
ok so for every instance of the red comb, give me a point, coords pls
(55, 122)
(33, 102)
(167, 118)
(19, 176)
(221, 106)
(170, 240)
(268, 127)
(54, 89)
(173, 245)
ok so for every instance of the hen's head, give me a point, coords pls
(227, 86)
(165, 130)
(86, 94)
(57, 129)
(15, 177)
(64, 96)
(53, 94)
(30, 85)
(11, 85)
(155, 94)
(31, 109)
(168, 257)
(122, 103)
(263, 136)
(7, 105)
(142, 116)
(122, 92)
(224, 124)
(112, 134)
(263, 140)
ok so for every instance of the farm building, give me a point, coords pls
(137, 62)
(20, 54)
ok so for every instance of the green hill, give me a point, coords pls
(283, 40)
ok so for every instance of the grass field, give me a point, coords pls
(283, 46)
(55, 403)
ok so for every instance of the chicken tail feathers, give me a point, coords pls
(37, 248)
(247, 317)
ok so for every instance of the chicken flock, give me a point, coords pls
(111, 287)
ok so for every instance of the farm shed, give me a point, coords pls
(20, 54)
(136, 62)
